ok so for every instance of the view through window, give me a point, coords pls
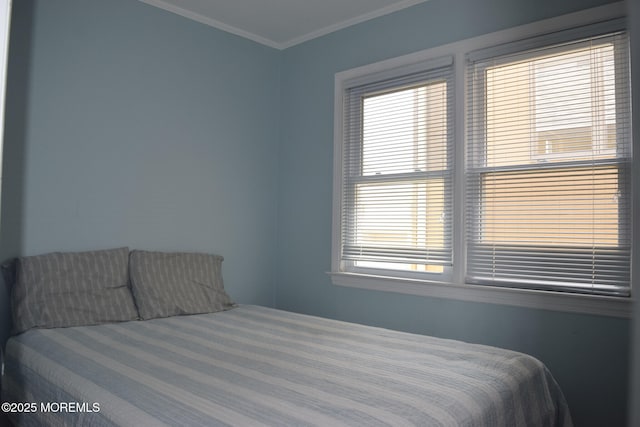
(550, 168)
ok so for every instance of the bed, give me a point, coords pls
(251, 365)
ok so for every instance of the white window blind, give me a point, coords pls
(548, 163)
(398, 170)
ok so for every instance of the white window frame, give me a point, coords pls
(456, 288)
(439, 66)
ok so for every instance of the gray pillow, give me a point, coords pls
(168, 284)
(64, 289)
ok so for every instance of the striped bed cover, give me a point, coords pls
(254, 366)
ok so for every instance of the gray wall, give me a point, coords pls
(587, 354)
(129, 125)
(13, 148)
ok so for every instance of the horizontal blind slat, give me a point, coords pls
(547, 163)
(398, 162)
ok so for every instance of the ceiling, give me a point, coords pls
(281, 23)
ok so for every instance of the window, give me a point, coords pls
(397, 173)
(548, 167)
(495, 169)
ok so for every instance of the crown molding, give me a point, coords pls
(350, 22)
(211, 22)
(272, 43)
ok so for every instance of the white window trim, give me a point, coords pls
(458, 289)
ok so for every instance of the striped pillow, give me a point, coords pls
(64, 289)
(168, 284)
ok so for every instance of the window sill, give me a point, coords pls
(545, 300)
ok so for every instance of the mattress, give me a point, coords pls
(259, 366)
